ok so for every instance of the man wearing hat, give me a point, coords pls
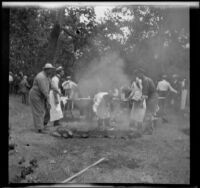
(39, 97)
(163, 89)
(56, 110)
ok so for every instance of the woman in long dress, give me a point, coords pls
(138, 109)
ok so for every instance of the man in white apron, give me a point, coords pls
(56, 111)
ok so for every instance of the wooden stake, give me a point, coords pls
(79, 173)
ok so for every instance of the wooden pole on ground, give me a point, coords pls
(79, 173)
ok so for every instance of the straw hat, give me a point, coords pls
(48, 66)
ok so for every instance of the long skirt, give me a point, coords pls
(37, 104)
(137, 113)
(55, 111)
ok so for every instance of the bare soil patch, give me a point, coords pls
(162, 157)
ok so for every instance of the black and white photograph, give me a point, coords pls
(99, 92)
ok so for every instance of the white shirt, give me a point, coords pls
(164, 86)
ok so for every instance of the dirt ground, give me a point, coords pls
(163, 157)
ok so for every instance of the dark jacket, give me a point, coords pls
(149, 88)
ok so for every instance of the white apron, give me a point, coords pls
(55, 111)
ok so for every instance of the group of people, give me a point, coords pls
(173, 92)
(145, 99)
(50, 95)
(20, 84)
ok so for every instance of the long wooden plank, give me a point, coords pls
(79, 173)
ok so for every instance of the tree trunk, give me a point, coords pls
(53, 42)
(54, 36)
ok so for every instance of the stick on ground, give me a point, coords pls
(79, 173)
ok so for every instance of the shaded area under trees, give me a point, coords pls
(156, 39)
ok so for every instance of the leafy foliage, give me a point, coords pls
(150, 37)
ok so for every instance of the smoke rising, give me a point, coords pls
(103, 75)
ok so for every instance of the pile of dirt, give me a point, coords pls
(96, 133)
(62, 157)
